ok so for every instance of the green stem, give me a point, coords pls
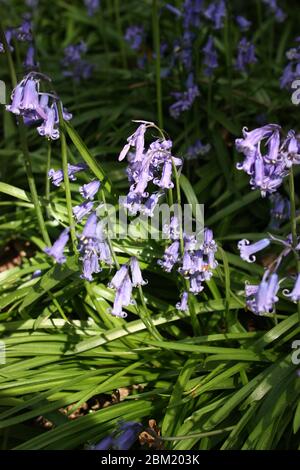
(227, 36)
(64, 156)
(120, 32)
(31, 181)
(294, 225)
(113, 254)
(194, 318)
(145, 316)
(156, 39)
(24, 147)
(47, 181)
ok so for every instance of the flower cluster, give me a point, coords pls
(74, 65)
(93, 246)
(37, 107)
(123, 283)
(197, 261)
(184, 100)
(122, 439)
(246, 55)
(267, 157)
(147, 165)
(261, 298)
(216, 13)
(22, 34)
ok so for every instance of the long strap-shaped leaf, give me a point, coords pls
(88, 158)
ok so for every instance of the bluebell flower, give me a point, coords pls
(248, 249)
(122, 438)
(262, 298)
(183, 304)
(9, 35)
(173, 10)
(172, 230)
(24, 32)
(73, 64)
(122, 298)
(267, 170)
(82, 210)
(290, 149)
(196, 285)
(197, 149)
(243, 23)
(29, 102)
(92, 6)
(280, 210)
(192, 10)
(119, 277)
(89, 248)
(57, 176)
(30, 63)
(184, 100)
(106, 444)
(145, 165)
(134, 36)
(170, 257)
(276, 10)
(216, 12)
(210, 57)
(288, 76)
(57, 249)
(36, 273)
(246, 55)
(294, 295)
(150, 204)
(136, 274)
(49, 127)
(128, 434)
(89, 190)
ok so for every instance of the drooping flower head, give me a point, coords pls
(246, 55)
(89, 248)
(216, 12)
(276, 10)
(263, 158)
(37, 107)
(147, 164)
(197, 149)
(122, 438)
(280, 210)
(57, 249)
(185, 99)
(262, 298)
(57, 176)
(29, 62)
(294, 294)
(134, 36)
(210, 57)
(73, 63)
(243, 23)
